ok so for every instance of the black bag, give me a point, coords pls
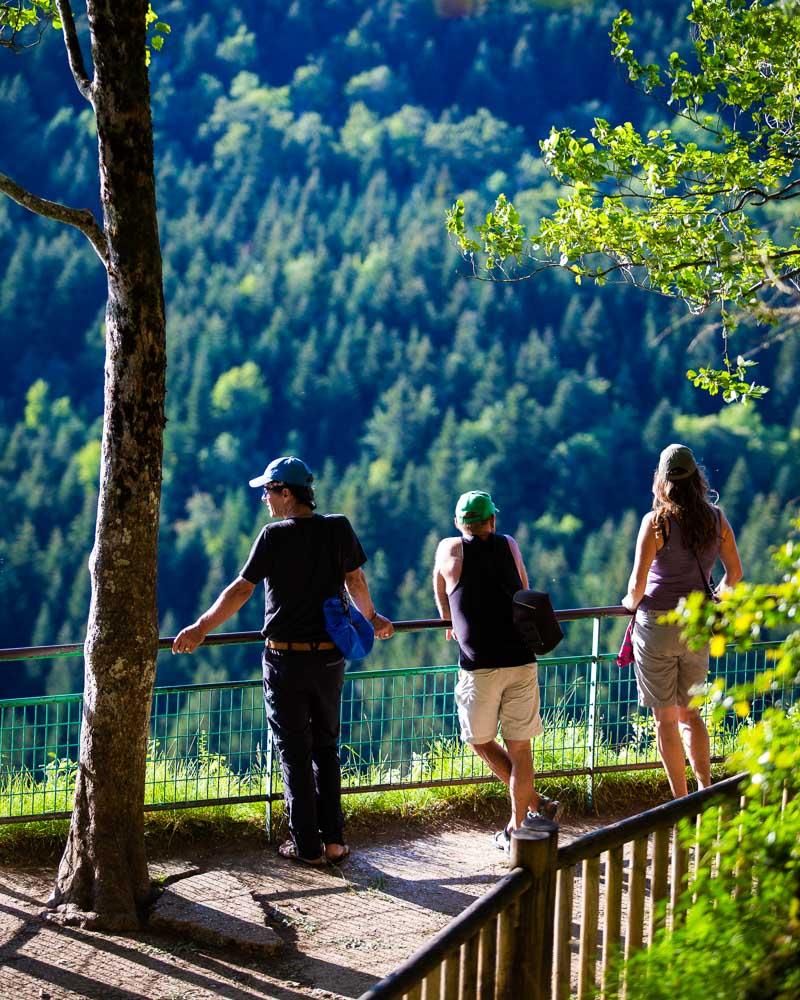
(536, 621)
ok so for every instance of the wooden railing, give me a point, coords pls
(518, 940)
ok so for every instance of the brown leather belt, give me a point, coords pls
(306, 647)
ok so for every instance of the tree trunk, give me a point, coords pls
(103, 879)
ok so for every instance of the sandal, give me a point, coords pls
(288, 850)
(339, 858)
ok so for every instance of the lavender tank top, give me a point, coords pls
(675, 573)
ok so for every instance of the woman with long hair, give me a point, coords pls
(679, 541)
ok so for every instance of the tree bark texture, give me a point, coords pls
(103, 879)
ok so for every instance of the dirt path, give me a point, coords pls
(342, 928)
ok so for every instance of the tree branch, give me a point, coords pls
(11, 41)
(776, 280)
(80, 218)
(73, 46)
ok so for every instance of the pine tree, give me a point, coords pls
(737, 494)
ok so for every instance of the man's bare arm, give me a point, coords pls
(515, 552)
(226, 605)
(446, 574)
(440, 594)
(358, 589)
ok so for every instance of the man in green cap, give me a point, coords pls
(475, 577)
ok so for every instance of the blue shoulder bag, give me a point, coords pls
(347, 627)
(353, 635)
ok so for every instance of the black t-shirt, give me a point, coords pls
(481, 606)
(302, 561)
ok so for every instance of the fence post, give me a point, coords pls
(270, 783)
(505, 983)
(592, 728)
(535, 848)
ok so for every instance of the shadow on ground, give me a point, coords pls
(341, 928)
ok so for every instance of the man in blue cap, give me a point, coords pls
(475, 577)
(303, 559)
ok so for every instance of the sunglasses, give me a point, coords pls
(272, 488)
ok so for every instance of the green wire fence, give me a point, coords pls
(210, 744)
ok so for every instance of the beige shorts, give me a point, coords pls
(666, 669)
(508, 696)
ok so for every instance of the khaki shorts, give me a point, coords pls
(666, 669)
(508, 695)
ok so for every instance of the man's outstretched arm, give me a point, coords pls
(358, 589)
(440, 593)
(226, 605)
(446, 572)
(518, 561)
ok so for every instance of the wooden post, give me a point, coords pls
(535, 848)
(591, 731)
(432, 987)
(680, 868)
(726, 811)
(451, 969)
(505, 972)
(270, 754)
(563, 954)
(694, 864)
(658, 881)
(487, 958)
(636, 890)
(737, 868)
(590, 910)
(612, 920)
(468, 981)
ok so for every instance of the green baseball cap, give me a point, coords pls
(475, 506)
(676, 462)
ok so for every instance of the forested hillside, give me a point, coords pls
(307, 152)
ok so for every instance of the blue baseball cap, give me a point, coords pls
(288, 469)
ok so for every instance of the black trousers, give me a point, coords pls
(302, 695)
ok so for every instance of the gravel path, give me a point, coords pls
(342, 928)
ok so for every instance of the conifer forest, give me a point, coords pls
(307, 153)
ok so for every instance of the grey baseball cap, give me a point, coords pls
(676, 462)
(288, 469)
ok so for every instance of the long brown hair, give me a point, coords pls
(687, 501)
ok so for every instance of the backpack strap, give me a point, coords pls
(708, 582)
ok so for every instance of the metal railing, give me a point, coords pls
(210, 745)
(517, 939)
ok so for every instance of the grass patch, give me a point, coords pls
(397, 813)
(206, 775)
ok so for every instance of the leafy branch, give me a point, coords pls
(23, 22)
(679, 217)
(730, 381)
